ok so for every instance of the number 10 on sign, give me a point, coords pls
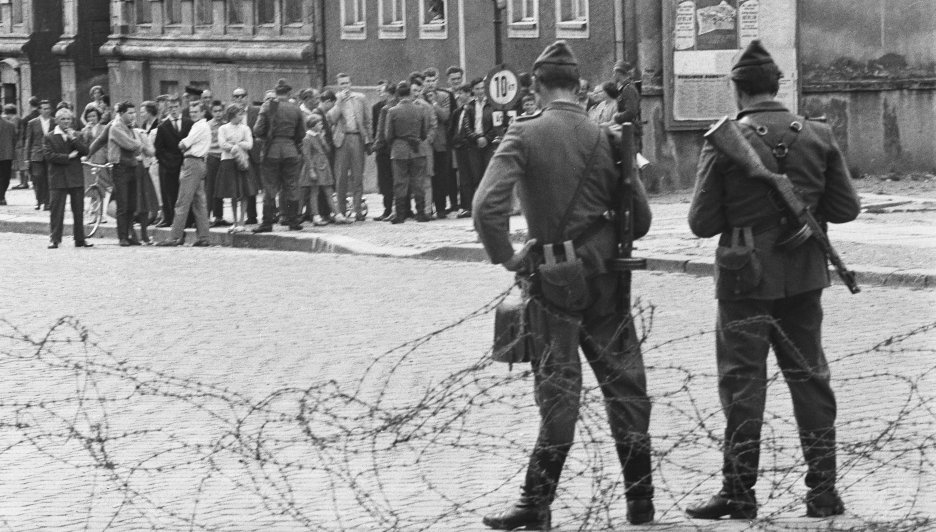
(502, 87)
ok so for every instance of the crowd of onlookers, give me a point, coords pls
(173, 161)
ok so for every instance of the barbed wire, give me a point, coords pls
(396, 447)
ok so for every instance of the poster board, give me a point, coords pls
(704, 38)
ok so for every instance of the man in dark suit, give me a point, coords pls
(62, 148)
(381, 150)
(36, 129)
(8, 139)
(24, 156)
(779, 304)
(477, 129)
(239, 98)
(168, 135)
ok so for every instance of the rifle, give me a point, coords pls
(728, 139)
(624, 263)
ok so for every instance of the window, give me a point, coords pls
(168, 87)
(266, 11)
(173, 11)
(235, 13)
(392, 15)
(523, 18)
(352, 19)
(18, 11)
(572, 19)
(432, 22)
(292, 12)
(203, 13)
(144, 12)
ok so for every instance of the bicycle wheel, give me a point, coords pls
(93, 209)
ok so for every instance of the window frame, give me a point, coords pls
(302, 15)
(433, 30)
(357, 30)
(523, 29)
(573, 28)
(395, 29)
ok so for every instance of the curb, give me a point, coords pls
(340, 244)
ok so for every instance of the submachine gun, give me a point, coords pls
(728, 139)
(624, 263)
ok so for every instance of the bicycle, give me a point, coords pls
(97, 196)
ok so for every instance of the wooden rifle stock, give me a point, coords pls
(728, 139)
(624, 263)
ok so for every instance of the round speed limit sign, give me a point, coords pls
(503, 87)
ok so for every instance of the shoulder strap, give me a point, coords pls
(578, 189)
(779, 145)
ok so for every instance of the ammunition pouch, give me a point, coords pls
(739, 267)
(562, 284)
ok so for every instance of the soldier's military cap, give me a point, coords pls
(282, 87)
(623, 67)
(755, 63)
(556, 54)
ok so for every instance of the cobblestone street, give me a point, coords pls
(236, 389)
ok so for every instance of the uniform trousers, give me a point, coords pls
(747, 328)
(608, 339)
(57, 198)
(6, 173)
(281, 175)
(125, 194)
(191, 198)
(169, 190)
(39, 173)
(349, 172)
(408, 177)
(385, 178)
(440, 178)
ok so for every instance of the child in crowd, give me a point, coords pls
(529, 105)
(233, 180)
(316, 177)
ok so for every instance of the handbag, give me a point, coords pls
(510, 330)
(739, 267)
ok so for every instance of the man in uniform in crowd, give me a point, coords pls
(407, 126)
(443, 105)
(628, 100)
(63, 149)
(239, 98)
(36, 130)
(567, 177)
(282, 127)
(168, 134)
(350, 121)
(781, 307)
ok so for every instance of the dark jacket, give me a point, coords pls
(167, 140)
(725, 199)
(545, 155)
(64, 172)
(34, 136)
(282, 126)
(487, 124)
(8, 139)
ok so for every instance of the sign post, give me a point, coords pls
(502, 87)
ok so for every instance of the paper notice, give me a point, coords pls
(703, 97)
(685, 26)
(749, 26)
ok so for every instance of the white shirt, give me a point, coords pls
(59, 131)
(479, 117)
(46, 124)
(198, 141)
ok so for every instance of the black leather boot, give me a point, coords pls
(824, 503)
(734, 505)
(634, 454)
(525, 514)
(640, 511)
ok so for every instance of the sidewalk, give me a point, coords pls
(892, 245)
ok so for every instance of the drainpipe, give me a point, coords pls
(461, 35)
(618, 30)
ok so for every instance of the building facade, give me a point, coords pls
(162, 46)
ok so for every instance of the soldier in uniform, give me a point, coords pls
(281, 126)
(564, 167)
(780, 307)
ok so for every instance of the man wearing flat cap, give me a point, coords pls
(777, 304)
(564, 167)
(281, 126)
